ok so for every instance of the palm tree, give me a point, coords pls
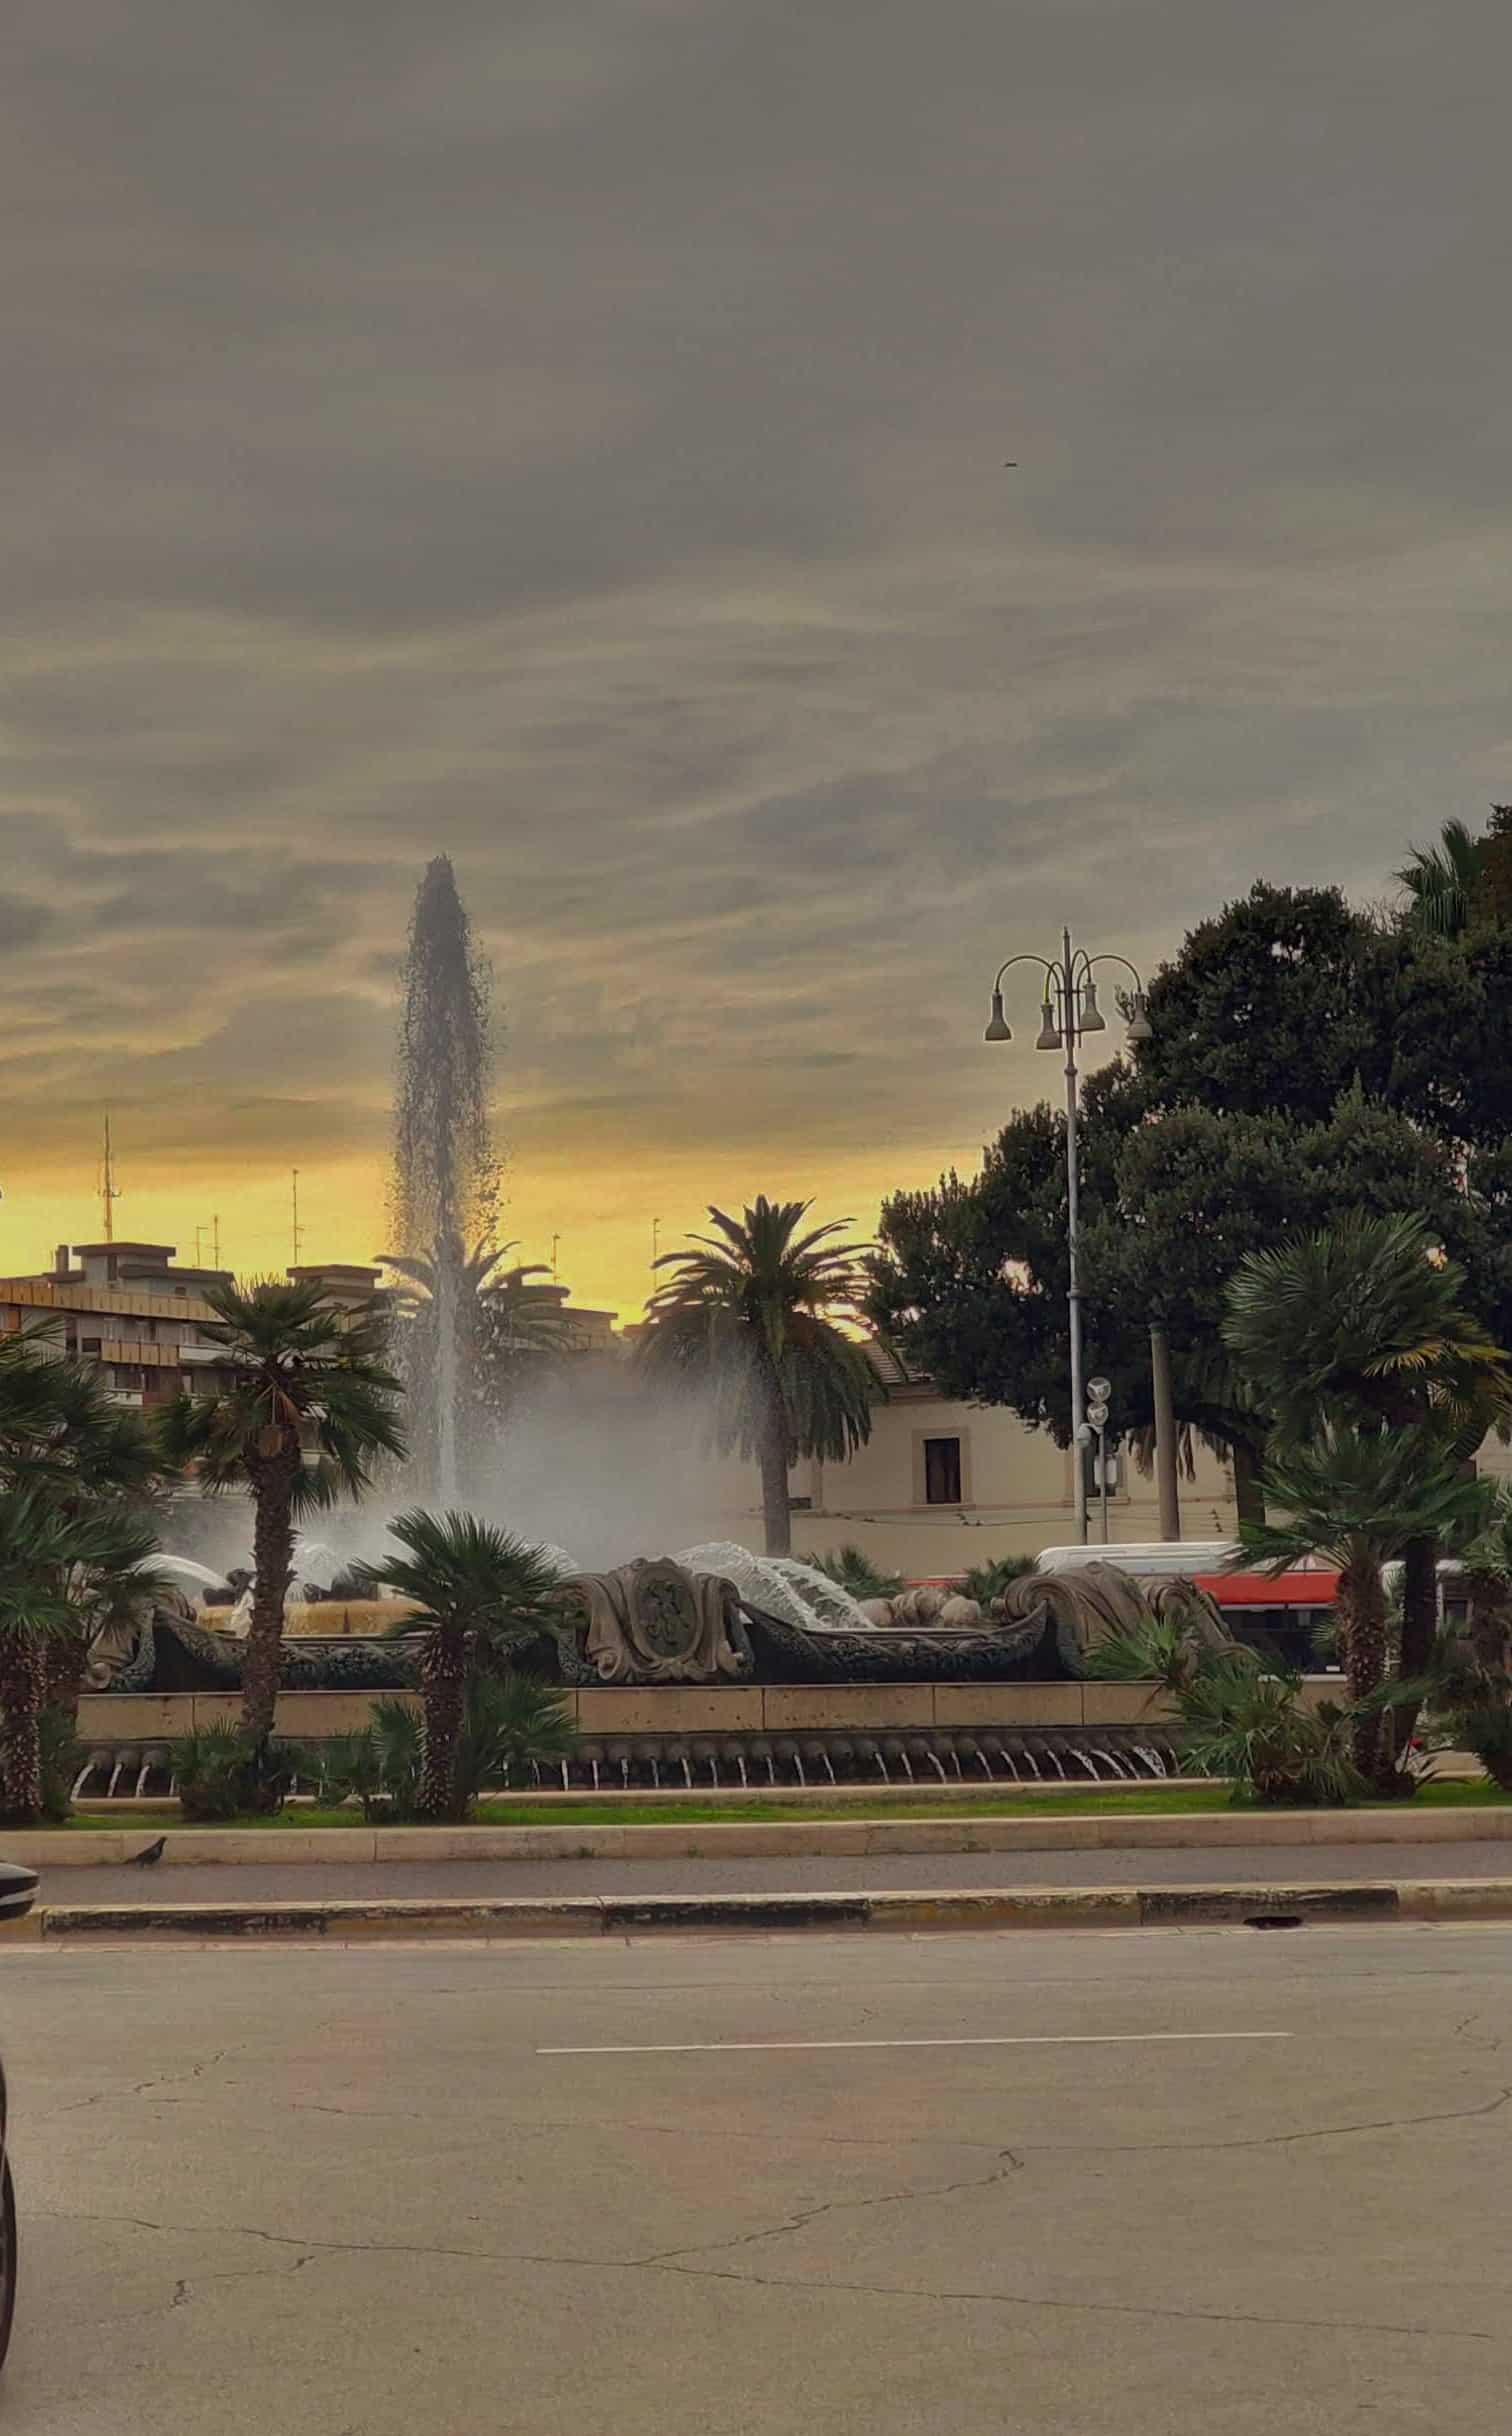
(1357, 1497)
(480, 1594)
(1366, 1315)
(46, 1552)
(1366, 1321)
(751, 1312)
(1441, 882)
(67, 1445)
(503, 1325)
(310, 1405)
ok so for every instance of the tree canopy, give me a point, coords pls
(1306, 1060)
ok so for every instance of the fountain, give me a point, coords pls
(444, 1180)
(718, 1619)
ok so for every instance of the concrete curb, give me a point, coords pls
(724, 1915)
(775, 1839)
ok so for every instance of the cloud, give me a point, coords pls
(572, 436)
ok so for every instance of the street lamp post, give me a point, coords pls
(1068, 1012)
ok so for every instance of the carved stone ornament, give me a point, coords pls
(650, 1622)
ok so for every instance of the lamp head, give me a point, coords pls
(998, 1028)
(1140, 1028)
(1049, 1031)
(1092, 1018)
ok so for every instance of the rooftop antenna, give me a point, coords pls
(199, 1246)
(556, 1245)
(109, 1189)
(215, 1239)
(655, 1245)
(294, 1206)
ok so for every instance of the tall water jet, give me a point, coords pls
(444, 1174)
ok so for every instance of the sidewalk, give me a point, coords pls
(1313, 1864)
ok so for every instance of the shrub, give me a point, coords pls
(350, 1765)
(510, 1720)
(221, 1775)
(210, 1766)
(1235, 1718)
(1160, 1649)
(62, 1758)
(988, 1582)
(1253, 1728)
(379, 1766)
(853, 1569)
(1467, 1692)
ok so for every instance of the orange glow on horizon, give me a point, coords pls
(604, 1221)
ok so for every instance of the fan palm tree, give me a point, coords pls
(480, 1594)
(1366, 1321)
(751, 1312)
(310, 1405)
(1365, 1315)
(1467, 1686)
(46, 1554)
(1357, 1497)
(66, 1444)
(1441, 882)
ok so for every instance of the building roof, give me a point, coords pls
(315, 1272)
(888, 1366)
(159, 1252)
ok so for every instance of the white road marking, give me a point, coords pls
(804, 2046)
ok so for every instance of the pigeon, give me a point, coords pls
(150, 1857)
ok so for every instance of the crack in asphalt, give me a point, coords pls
(144, 2089)
(806, 2216)
(669, 2264)
(1038, 2300)
(1322, 2131)
(688, 2259)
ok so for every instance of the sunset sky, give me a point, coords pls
(570, 436)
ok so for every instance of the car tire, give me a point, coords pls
(7, 2257)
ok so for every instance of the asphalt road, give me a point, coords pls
(1232, 2182)
(1291, 1865)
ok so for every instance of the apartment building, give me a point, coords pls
(141, 1314)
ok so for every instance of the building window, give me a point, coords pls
(942, 1471)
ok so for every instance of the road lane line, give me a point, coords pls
(804, 2046)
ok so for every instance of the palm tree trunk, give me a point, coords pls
(443, 1690)
(1249, 1504)
(67, 1657)
(23, 1669)
(273, 1480)
(1419, 1620)
(1362, 1646)
(772, 1454)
